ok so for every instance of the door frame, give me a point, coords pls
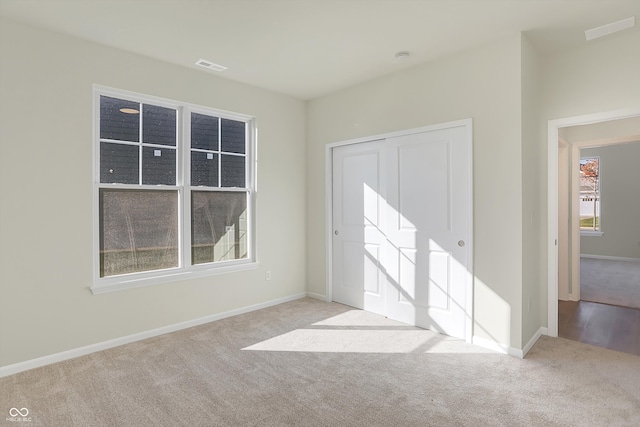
(552, 205)
(468, 125)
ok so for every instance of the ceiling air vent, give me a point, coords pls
(210, 65)
(614, 27)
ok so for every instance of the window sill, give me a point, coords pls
(591, 233)
(130, 281)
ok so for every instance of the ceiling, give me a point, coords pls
(308, 48)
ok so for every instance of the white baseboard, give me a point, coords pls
(92, 348)
(490, 345)
(505, 349)
(540, 332)
(317, 296)
(610, 258)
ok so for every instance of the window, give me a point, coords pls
(590, 195)
(173, 190)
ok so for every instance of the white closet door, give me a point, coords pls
(401, 224)
(428, 229)
(358, 241)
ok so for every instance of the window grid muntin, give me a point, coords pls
(220, 152)
(140, 143)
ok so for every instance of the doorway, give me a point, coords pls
(570, 252)
(400, 235)
(609, 251)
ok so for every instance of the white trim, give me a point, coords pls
(92, 348)
(95, 147)
(490, 345)
(184, 178)
(430, 128)
(541, 331)
(132, 281)
(317, 296)
(168, 103)
(588, 233)
(516, 352)
(574, 222)
(552, 228)
(505, 349)
(329, 221)
(610, 258)
(552, 200)
(468, 125)
(471, 245)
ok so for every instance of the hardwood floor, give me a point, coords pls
(609, 326)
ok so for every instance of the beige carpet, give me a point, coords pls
(310, 363)
(610, 282)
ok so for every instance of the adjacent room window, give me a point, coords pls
(174, 190)
(590, 194)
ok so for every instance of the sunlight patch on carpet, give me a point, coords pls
(359, 331)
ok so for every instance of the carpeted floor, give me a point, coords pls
(310, 363)
(610, 282)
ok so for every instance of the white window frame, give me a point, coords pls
(185, 270)
(598, 232)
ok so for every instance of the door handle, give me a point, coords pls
(336, 232)
(461, 243)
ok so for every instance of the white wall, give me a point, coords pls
(600, 76)
(604, 132)
(532, 160)
(620, 202)
(46, 202)
(483, 84)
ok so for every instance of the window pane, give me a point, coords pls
(204, 169)
(119, 119)
(233, 171)
(158, 125)
(204, 132)
(158, 166)
(218, 226)
(233, 136)
(138, 231)
(590, 194)
(119, 163)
